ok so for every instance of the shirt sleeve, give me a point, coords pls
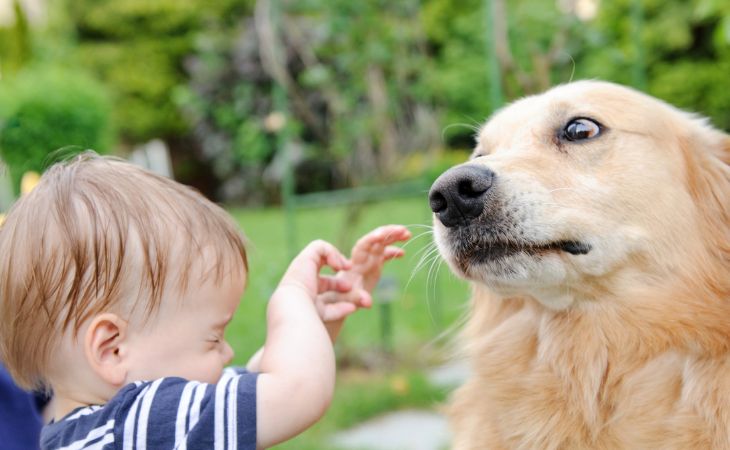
(20, 422)
(191, 415)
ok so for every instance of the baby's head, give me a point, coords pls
(111, 274)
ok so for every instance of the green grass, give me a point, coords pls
(377, 371)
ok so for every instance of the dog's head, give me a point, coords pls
(586, 183)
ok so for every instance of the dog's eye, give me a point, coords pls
(581, 129)
(477, 152)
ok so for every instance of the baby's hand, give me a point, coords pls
(372, 251)
(303, 272)
(356, 283)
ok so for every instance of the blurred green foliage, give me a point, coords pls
(138, 48)
(348, 78)
(15, 41)
(45, 110)
(686, 52)
(357, 92)
(542, 41)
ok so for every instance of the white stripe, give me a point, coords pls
(220, 404)
(108, 439)
(83, 412)
(183, 411)
(232, 419)
(94, 434)
(128, 440)
(195, 409)
(144, 415)
(194, 415)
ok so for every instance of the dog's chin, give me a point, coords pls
(518, 268)
(511, 268)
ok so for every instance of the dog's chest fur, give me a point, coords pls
(570, 381)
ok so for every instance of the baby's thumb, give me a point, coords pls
(366, 300)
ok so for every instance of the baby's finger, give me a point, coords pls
(395, 233)
(338, 311)
(367, 242)
(327, 283)
(373, 243)
(337, 261)
(392, 252)
(328, 255)
(366, 300)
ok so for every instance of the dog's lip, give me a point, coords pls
(575, 247)
(497, 249)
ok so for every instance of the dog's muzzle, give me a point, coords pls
(458, 195)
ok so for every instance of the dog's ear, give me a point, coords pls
(706, 153)
(725, 150)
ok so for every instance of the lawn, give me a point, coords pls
(382, 352)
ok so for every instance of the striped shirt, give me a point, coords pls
(168, 413)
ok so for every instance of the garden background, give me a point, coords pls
(324, 118)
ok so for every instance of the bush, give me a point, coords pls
(47, 110)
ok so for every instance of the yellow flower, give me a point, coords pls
(2, 219)
(29, 181)
(400, 385)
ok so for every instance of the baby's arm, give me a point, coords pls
(297, 363)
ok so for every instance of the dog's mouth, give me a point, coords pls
(495, 250)
(574, 247)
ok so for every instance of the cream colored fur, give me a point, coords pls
(628, 346)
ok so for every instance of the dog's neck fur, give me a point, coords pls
(592, 345)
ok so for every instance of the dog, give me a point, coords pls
(593, 222)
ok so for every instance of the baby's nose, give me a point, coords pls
(227, 353)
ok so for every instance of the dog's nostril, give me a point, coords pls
(437, 201)
(470, 188)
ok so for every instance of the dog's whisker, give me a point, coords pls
(431, 281)
(423, 263)
(425, 250)
(556, 205)
(475, 127)
(411, 241)
(434, 279)
(430, 251)
(450, 335)
(419, 225)
(563, 189)
(420, 235)
(572, 71)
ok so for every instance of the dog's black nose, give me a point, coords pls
(458, 194)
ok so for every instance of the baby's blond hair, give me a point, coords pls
(98, 234)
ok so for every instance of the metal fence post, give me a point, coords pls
(6, 188)
(281, 105)
(496, 97)
(637, 24)
(386, 291)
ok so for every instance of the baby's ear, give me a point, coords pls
(102, 344)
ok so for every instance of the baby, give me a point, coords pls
(116, 286)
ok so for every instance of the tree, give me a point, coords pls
(685, 47)
(352, 73)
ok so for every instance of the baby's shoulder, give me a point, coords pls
(170, 409)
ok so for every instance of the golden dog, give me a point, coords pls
(594, 223)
